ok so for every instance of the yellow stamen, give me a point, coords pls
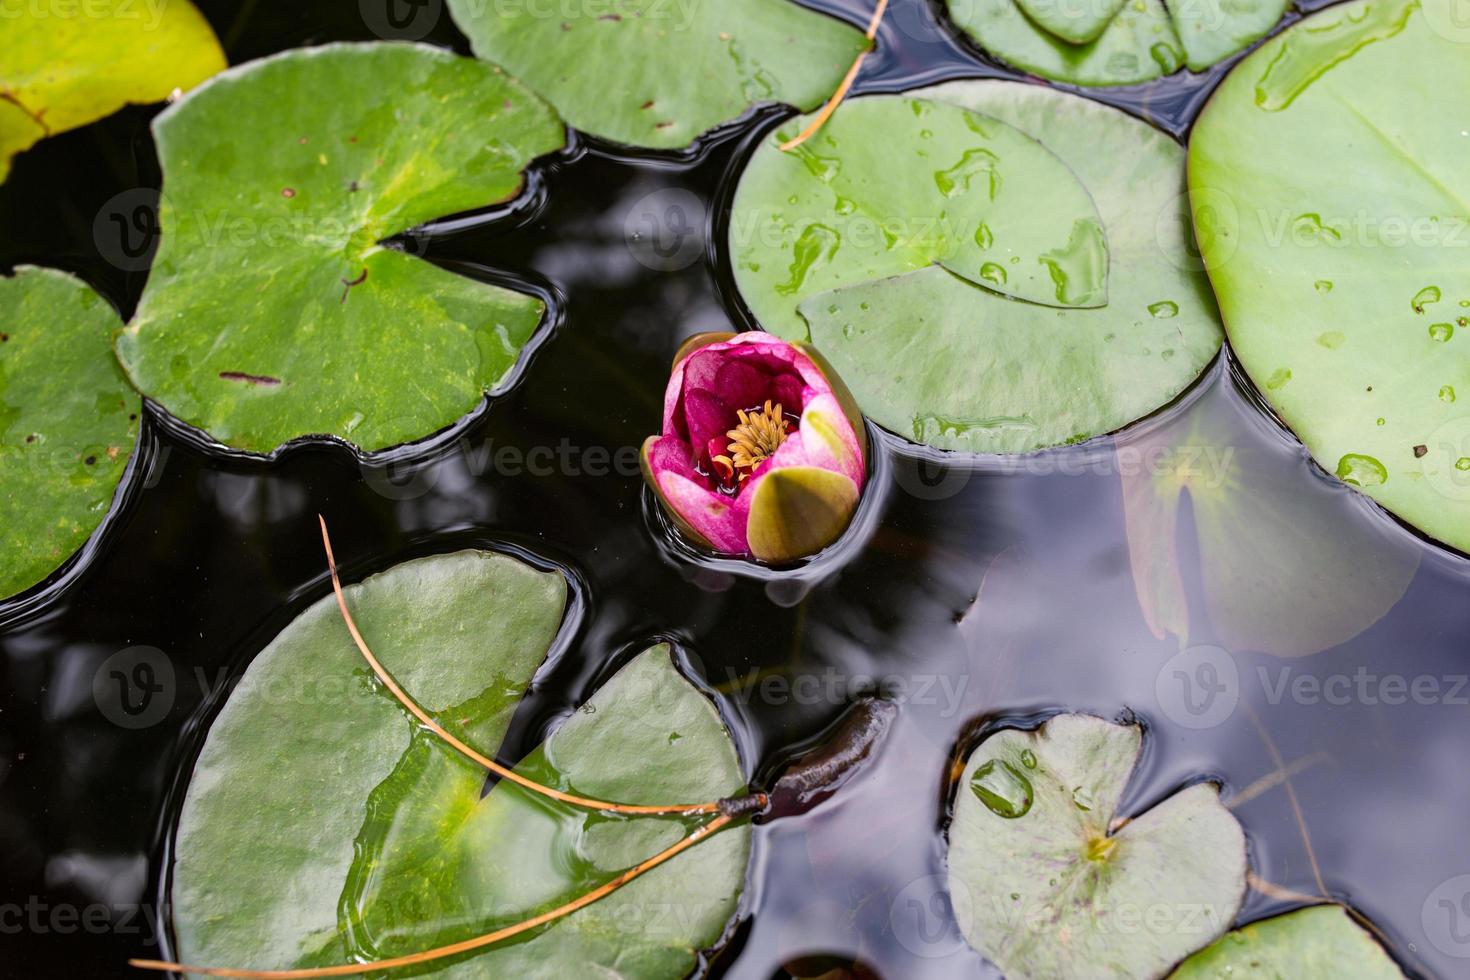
(759, 434)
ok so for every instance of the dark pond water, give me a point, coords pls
(210, 556)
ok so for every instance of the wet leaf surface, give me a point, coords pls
(323, 824)
(1322, 941)
(68, 421)
(274, 310)
(659, 74)
(939, 361)
(894, 184)
(1331, 198)
(58, 72)
(1046, 883)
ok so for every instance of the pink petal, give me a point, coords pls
(706, 417)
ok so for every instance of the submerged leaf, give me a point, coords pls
(274, 310)
(1322, 941)
(322, 824)
(939, 361)
(1047, 884)
(894, 184)
(1284, 567)
(1341, 271)
(659, 74)
(68, 421)
(58, 72)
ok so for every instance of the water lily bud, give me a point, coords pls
(763, 452)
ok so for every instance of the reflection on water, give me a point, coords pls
(1276, 618)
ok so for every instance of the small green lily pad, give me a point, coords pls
(894, 184)
(1075, 23)
(1213, 30)
(660, 73)
(937, 360)
(1138, 44)
(1330, 164)
(274, 310)
(68, 421)
(59, 72)
(1048, 883)
(1322, 941)
(323, 824)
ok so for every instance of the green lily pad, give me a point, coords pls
(322, 823)
(934, 359)
(273, 310)
(60, 72)
(1138, 44)
(1213, 30)
(1330, 168)
(1075, 23)
(1314, 942)
(1047, 882)
(660, 73)
(68, 421)
(894, 184)
(1280, 564)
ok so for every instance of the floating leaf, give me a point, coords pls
(936, 360)
(59, 72)
(274, 310)
(322, 823)
(660, 74)
(1213, 30)
(1072, 22)
(894, 184)
(1045, 882)
(1331, 162)
(1322, 941)
(1285, 568)
(1138, 44)
(68, 421)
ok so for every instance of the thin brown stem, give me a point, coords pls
(467, 946)
(469, 753)
(1296, 806)
(842, 90)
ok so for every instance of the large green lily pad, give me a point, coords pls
(1280, 557)
(1330, 167)
(273, 310)
(939, 361)
(68, 421)
(1322, 941)
(660, 73)
(1138, 44)
(1047, 883)
(322, 823)
(59, 71)
(894, 184)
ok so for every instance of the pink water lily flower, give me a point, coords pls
(763, 452)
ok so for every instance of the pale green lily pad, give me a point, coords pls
(68, 421)
(1138, 44)
(893, 184)
(1322, 941)
(59, 72)
(273, 311)
(1073, 22)
(1330, 167)
(1213, 30)
(322, 823)
(1048, 883)
(1282, 566)
(660, 73)
(936, 360)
